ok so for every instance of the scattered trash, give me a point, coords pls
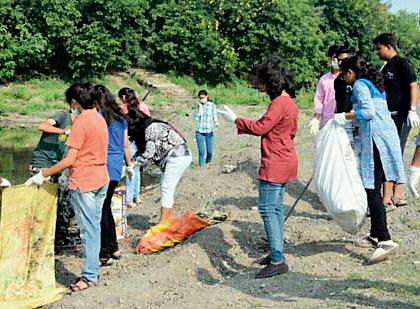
(167, 234)
(228, 168)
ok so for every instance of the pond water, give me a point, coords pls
(14, 164)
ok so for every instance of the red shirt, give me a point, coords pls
(89, 135)
(277, 128)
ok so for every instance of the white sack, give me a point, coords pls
(337, 180)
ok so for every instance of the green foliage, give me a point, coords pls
(213, 41)
(406, 28)
(357, 22)
(185, 39)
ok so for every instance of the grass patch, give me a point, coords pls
(33, 98)
(237, 93)
(27, 137)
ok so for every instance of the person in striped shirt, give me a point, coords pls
(205, 115)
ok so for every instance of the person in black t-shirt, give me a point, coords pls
(400, 85)
(342, 90)
(401, 90)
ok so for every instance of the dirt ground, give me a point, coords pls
(214, 268)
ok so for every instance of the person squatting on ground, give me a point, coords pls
(50, 149)
(380, 156)
(88, 180)
(205, 115)
(279, 163)
(401, 93)
(324, 100)
(118, 149)
(160, 142)
(132, 184)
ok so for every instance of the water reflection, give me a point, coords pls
(14, 164)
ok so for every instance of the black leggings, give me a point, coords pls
(378, 228)
(109, 242)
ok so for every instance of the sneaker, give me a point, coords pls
(263, 261)
(384, 249)
(368, 242)
(272, 270)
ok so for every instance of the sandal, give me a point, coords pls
(81, 283)
(399, 202)
(105, 262)
(389, 206)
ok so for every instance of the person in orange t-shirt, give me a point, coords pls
(88, 180)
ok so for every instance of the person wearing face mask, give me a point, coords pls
(324, 100)
(205, 115)
(51, 146)
(50, 149)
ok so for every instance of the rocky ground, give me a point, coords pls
(214, 268)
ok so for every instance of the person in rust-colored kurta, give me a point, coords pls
(279, 163)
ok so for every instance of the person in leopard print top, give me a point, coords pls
(160, 142)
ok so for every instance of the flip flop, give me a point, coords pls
(399, 202)
(389, 206)
(106, 262)
(79, 285)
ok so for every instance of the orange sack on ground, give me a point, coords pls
(168, 234)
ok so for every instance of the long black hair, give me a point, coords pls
(106, 103)
(130, 97)
(364, 70)
(137, 124)
(273, 76)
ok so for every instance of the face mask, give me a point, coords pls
(75, 111)
(334, 65)
(203, 101)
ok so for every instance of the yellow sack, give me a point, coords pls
(27, 227)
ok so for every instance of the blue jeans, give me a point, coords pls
(204, 141)
(88, 210)
(270, 205)
(133, 185)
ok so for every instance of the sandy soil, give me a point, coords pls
(214, 268)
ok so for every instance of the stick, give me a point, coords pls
(146, 95)
(298, 199)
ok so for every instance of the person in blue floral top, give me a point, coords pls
(205, 115)
(381, 157)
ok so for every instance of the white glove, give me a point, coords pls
(129, 171)
(414, 181)
(413, 119)
(314, 126)
(4, 183)
(228, 114)
(38, 179)
(340, 119)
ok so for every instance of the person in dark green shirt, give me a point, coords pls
(50, 149)
(51, 146)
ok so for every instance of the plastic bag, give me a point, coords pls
(168, 234)
(339, 185)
